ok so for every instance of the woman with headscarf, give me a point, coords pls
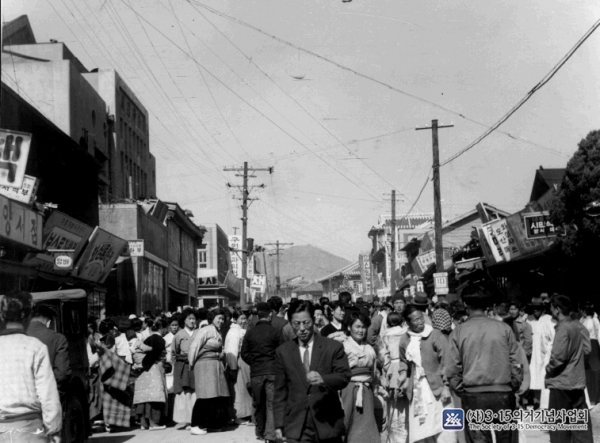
(389, 355)
(238, 371)
(422, 351)
(357, 397)
(183, 376)
(441, 320)
(150, 396)
(206, 359)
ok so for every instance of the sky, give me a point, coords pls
(330, 94)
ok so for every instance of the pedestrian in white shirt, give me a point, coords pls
(30, 410)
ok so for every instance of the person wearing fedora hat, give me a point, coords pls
(421, 302)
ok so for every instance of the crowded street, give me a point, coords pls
(299, 221)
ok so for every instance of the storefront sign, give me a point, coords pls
(426, 259)
(60, 232)
(259, 282)
(364, 261)
(527, 246)
(500, 240)
(20, 224)
(99, 256)
(250, 268)
(14, 151)
(133, 248)
(63, 259)
(538, 225)
(235, 242)
(440, 280)
(209, 279)
(24, 194)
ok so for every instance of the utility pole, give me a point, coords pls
(393, 245)
(437, 199)
(266, 274)
(276, 253)
(245, 199)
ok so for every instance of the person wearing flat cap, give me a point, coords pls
(422, 303)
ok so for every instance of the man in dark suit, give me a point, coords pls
(276, 303)
(309, 371)
(58, 348)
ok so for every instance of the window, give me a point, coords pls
(202, 264)
(93, 119)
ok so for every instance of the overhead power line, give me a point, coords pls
(536, 88)
(360, 74)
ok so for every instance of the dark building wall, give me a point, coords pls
(68, 174)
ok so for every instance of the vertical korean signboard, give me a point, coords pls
(14, 151)
(235, 242)
(500, 240)
(99, 256)
(364, 261)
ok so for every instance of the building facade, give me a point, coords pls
(216, 282)
(140, 280)
(184, 239)
(132, 167)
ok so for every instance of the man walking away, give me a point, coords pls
(565, 373)
(258, 351)
(30, 409)
(483, 364)
(58, 348)
(308, 373)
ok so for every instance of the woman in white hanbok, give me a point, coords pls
(389, 354)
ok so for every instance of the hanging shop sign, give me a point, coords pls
(99, 256)
(516, 226)
(538, 225)
(133, 248)
(20, 224)
(63, 259)
(440, 280)
(426, 259)
(259, 282)
(60, 232)
(500, 240)
(24, 194)
(364, 261)
(235, 243)
(14, 151)
(250, 267)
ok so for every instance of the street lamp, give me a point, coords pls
(593, 209)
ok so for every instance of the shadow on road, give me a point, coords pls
(113, 438)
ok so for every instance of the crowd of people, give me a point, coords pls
(335, 371)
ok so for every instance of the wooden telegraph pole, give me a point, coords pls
(393, 245)
(437, 204)
(245, 199)
(276, 253)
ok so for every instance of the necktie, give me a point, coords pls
(306, 360)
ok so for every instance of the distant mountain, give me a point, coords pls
(307, 261)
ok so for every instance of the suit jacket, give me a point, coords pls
(294, 396)
(58, 350)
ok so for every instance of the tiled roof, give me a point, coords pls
(413, 221)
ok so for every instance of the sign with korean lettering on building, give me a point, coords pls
(14, 151)
(440, 280)
(364, 261)
(209, 278)
(20, 224)
(426, 259)
(63, 259)
(250, 268)
(24, 194)
(60, 232)
(500, 240)
(538, 225)
(259, 282)
(235, 243)
(99, 256)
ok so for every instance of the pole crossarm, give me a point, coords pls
(246, 173)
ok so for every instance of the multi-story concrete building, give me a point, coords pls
(97, 109)
(132, 166)
(49, 77)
